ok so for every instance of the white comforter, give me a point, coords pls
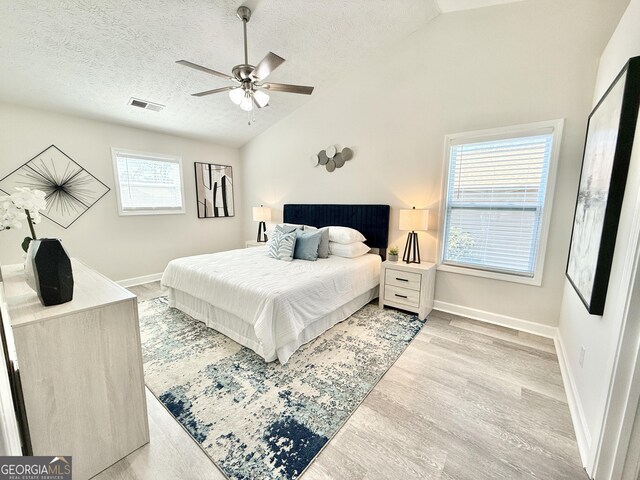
(279, 299)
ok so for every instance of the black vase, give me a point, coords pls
(52, 271)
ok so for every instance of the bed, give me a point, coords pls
(271, 306)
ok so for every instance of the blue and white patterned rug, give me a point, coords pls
(260, 420)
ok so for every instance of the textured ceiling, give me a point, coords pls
(89, 57)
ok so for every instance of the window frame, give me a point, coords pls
(151, 156)
(513, 131)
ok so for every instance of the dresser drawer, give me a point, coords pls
(400, 278)
(403, 296)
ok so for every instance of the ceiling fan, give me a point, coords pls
(248, 79)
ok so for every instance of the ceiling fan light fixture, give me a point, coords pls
(236, 95)
(247, 103)
(262, 99)
(248, 78)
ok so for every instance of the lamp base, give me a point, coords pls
(262, 232)
(411, 249)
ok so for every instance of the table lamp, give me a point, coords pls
(412, 220)
(262, 214)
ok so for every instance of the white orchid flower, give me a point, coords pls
(23, 205)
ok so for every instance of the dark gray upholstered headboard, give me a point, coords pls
(370, 220)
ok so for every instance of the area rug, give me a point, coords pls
(260, 420)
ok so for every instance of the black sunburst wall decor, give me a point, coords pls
(70, 190)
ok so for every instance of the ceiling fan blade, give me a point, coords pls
(268, 64)
(205, 69)
(283, 87)
(216, 90)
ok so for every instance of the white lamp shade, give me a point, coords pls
(261, 98)
(247, 103)
(261, 214)
(413, 219)
(236, 95)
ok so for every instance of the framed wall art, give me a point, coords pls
(70, 189)
(605, 165)
(214, 190)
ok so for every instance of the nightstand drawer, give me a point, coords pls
(400, 278)
(402, 295)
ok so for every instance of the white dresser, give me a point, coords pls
(408, 286)
(80, 366)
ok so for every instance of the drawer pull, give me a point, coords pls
(402, 279)
(401, 296)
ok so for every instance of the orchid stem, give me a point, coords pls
(33, 232)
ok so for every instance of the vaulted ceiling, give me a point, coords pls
(88, 58)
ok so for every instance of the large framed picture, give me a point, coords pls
(605, 165)
(214, 190)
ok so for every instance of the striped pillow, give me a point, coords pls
(282, 245)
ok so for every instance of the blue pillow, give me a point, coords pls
(307, 245)
(282, 245)
(323, 247)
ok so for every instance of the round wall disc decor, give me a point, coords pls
(332, 157)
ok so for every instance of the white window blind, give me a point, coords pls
(495, 198)
(148, 184)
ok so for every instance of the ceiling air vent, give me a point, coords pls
(136, 102)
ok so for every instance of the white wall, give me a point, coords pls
(600, 334)
(120, 247)
(491, 67)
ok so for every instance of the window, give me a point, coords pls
(499, 187)
(148, 183)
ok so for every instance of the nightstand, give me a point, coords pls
(253, 243)
(408, 286)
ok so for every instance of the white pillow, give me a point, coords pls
(345, 235)
(352, 250)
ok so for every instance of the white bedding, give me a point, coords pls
(277, 300)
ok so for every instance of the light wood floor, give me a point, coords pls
(466, 400)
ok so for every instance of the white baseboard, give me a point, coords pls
(132, 282)
(497, 319)
(578, 417)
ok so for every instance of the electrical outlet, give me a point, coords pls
(582, 352)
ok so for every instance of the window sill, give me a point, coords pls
(505, 277)
(128, 213)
